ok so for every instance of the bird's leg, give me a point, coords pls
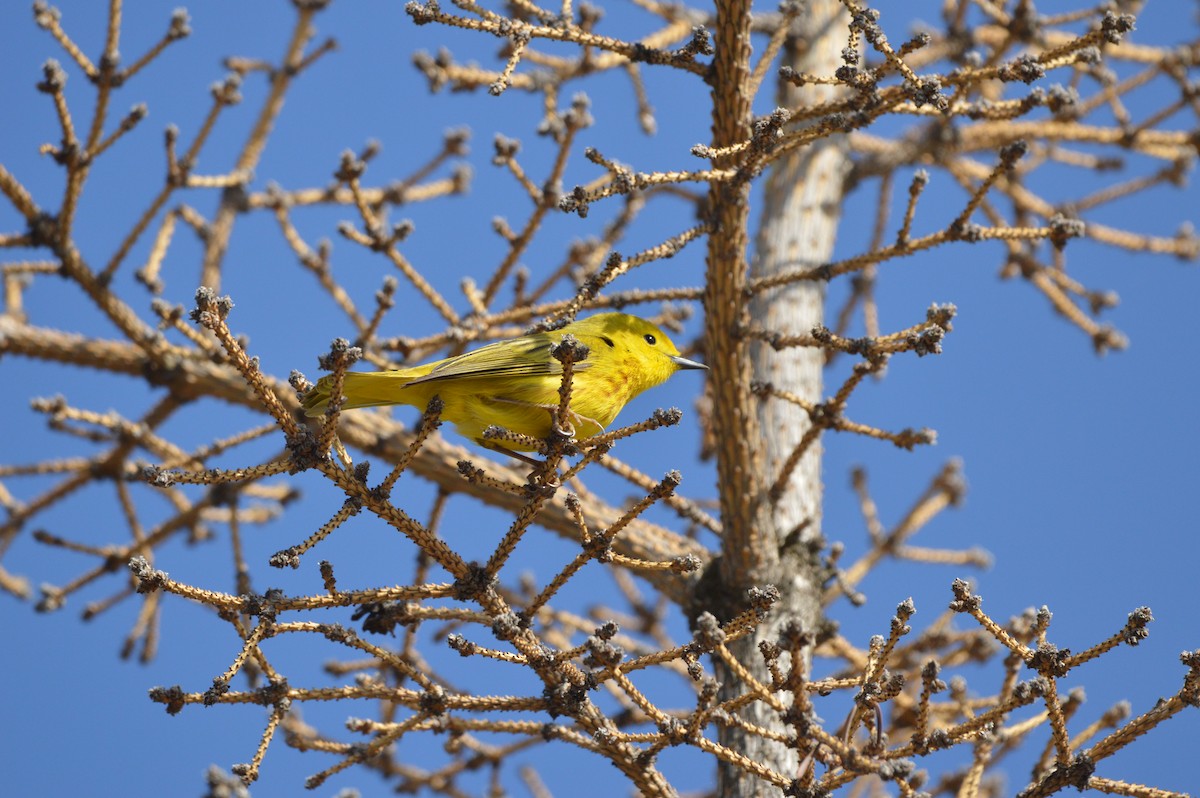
(553, 411)
(537, 476)
(579, 418)
(495, 447)
(545, 478)
(542, 475)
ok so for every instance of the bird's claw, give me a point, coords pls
(540, 478)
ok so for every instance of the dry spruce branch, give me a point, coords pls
(716, 632)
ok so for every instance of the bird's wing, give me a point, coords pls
(527, 356)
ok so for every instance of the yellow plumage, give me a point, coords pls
(514, 384)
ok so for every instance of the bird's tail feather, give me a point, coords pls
(361, 389)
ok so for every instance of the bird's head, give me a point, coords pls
(642, 347)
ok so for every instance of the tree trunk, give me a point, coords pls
(801, 212)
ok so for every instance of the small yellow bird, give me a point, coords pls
(514, 384)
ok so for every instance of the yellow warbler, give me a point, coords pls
(514, 384)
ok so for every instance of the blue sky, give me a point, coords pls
(1082, 469)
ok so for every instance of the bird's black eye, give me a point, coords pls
(650, 339)
(608, 341)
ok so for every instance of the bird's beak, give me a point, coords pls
(684, 363)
